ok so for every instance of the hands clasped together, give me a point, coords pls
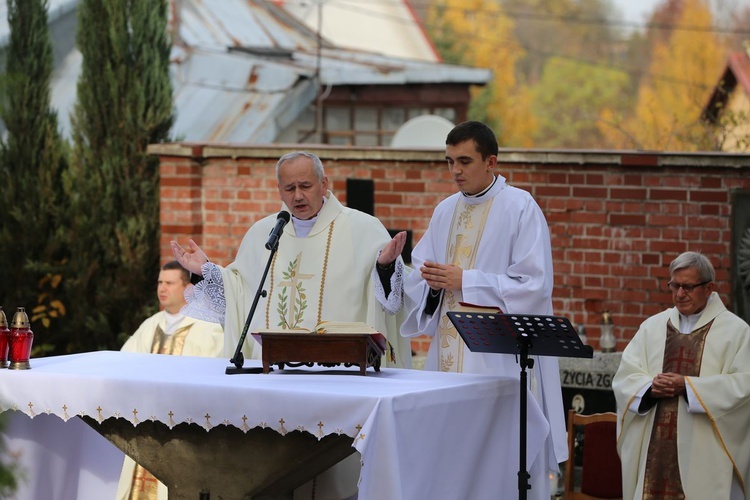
(667, 385)
(442, 276)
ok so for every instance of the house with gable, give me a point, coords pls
(393, 27)
(728, 109)
(250, 71)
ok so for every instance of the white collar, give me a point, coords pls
(483, 191)
(302, 227)
(687, 323)
(492, 190)
(171, 321)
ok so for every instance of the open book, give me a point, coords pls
(344, 327)
(328, 327)
(467, 307)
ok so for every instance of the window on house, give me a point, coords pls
(371, 125)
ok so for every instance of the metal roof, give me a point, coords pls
(243, 70)
(237, 23)
(393, 26)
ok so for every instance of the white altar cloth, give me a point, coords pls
(420, 434)
(60, 460)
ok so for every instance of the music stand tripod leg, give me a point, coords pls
(513, 334)
(525, 362)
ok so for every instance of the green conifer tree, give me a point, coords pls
(31, 164)
(124, 104)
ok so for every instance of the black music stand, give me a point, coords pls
(523, 335)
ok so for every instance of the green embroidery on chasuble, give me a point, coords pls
(292, 299)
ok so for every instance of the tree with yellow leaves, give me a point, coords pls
(684, 68)
(478, 33)
(568, 100)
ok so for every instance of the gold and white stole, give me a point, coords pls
(169, 344)
(466, 231)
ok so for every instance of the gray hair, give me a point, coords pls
(317, 164)
(694, 260)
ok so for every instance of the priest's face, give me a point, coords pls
(171, 290)
(694, 301)
(300, 188)
(470, 171)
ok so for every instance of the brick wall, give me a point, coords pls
(616, 219)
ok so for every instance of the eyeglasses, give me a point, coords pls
(675, 287)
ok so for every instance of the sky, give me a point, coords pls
(635, 11)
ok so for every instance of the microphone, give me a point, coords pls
(275, 234)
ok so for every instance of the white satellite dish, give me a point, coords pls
(425, 131)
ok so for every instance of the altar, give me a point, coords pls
(419, 434)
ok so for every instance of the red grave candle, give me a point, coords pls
(20, 339)
(4, 334)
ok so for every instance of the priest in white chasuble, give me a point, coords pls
(333, 263)
(325, 269)
(171, 332)
(683, 395)
(487, 245)
(167, 332)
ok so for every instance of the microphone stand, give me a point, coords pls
(239, 359)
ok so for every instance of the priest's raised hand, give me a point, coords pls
(192, 258)
(392, 250)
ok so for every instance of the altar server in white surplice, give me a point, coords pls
(333, 263)
(486, 245)
(683, 395)
(167, 332)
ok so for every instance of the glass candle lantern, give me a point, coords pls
(20, 339)
(4, 335)
(607, 340)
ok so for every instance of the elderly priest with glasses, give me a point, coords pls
(683, 395)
